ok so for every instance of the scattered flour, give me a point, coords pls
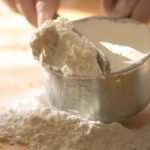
(31, 122)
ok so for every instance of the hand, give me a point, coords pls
(35, 11)
(136, 9)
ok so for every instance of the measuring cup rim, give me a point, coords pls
(124, 71)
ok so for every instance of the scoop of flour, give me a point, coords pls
(58, 47)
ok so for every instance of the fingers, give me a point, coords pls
(46, 9)
(142, 11)
(35, 11)
(108, 5)
(124, 8)
(11, 4)
(136, 9)
(27, 8)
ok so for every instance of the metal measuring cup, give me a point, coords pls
(111, 97)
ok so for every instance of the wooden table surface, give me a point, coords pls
(19, 73)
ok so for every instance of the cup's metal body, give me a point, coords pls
(108, 99)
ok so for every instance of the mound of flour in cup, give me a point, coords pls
(58, 47)
(41, 127)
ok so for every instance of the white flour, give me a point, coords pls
(31, 122)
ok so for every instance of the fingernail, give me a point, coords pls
(40, 19)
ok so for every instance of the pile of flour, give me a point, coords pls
(31, 122)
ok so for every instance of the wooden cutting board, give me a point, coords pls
(19, 73)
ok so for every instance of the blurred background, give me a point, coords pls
(19, 72)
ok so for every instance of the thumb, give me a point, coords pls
(46, 9)
(124, 8)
